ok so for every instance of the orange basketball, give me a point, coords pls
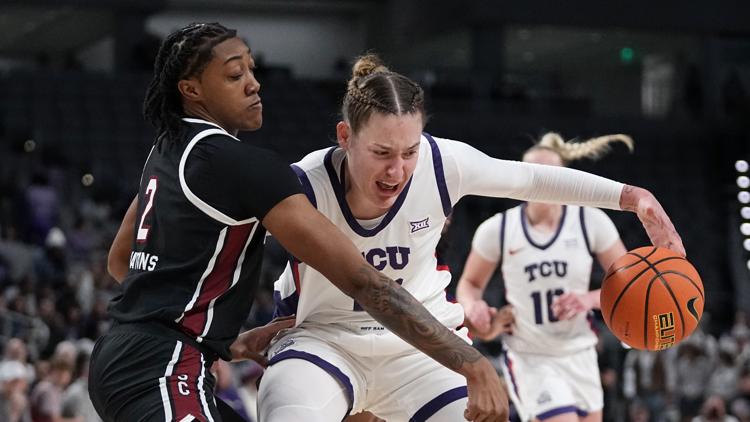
(652, 298)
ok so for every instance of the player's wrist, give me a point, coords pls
(470, 308)
(633, 198)
(477, 371)
(236, 351)
(593, 299)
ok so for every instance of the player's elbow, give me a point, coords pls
(116, 269)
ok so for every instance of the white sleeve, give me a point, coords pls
(600, 229)
(486, 240)
(475, 173)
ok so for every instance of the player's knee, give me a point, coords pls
(298, 413)
(295, 389)
(453, 411)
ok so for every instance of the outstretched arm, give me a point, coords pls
(483, 175)
(311, 237)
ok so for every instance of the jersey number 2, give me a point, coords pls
(538, 307)
(150, 193)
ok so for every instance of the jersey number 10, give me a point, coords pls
(538, 306)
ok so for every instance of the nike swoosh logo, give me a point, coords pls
(691, 308)
(514, 251)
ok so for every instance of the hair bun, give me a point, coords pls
(367, 65)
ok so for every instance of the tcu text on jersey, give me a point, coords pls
(546, 269)
(397, 257)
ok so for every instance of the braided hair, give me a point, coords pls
(593, 148)
(373, 87)
(183, 54)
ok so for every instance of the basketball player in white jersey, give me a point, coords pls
(545, 255)
(389, 187)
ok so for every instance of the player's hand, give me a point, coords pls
(479, 316)
(570, 304)
(502, 323)
(655, 221)
(488, 400)
(252, 343)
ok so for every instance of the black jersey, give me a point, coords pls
(198, 238)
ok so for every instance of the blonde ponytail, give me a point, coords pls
(593, 148)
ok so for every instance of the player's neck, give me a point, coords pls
(357, 201)
(199, 112)
(542, 215)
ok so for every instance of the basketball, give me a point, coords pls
(652, 298)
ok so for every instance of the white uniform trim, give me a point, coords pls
(199, 203)
(206, 122)
(241, 259)
(163, 382)
(209, 268)
(209, 319)
(235, 279)
(144, 164)
(202, 392)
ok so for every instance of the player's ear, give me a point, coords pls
(190, 89)
(343, 134)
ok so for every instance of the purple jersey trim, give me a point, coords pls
(286, 306)
(502, 237)
(437, 162)
(526, 230)
(322, 364)
(585, 233)
(306, 185)
(509, 366)
(338, 188)
(561, 410)
(439, 402)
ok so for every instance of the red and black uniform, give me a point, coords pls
(193, 272)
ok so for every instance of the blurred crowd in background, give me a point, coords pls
(54, 290)
(72, 143)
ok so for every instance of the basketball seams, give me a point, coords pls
(625, 267)
(635, 278)
(686, 277)
(645, 312)
(618, 284)
(622, 293)
(641, 259)
(674, 299)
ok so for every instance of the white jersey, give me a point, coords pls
(401, 244)
(537, 267)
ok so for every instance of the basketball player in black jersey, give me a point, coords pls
(188, 252)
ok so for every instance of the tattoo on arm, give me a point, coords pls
(397, 310)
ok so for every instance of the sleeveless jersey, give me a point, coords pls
(535, 273)
(198, 246)
(401, 245)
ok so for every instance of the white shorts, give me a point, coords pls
(399, 387)
(543, 386)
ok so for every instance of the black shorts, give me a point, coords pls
(145, 372)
